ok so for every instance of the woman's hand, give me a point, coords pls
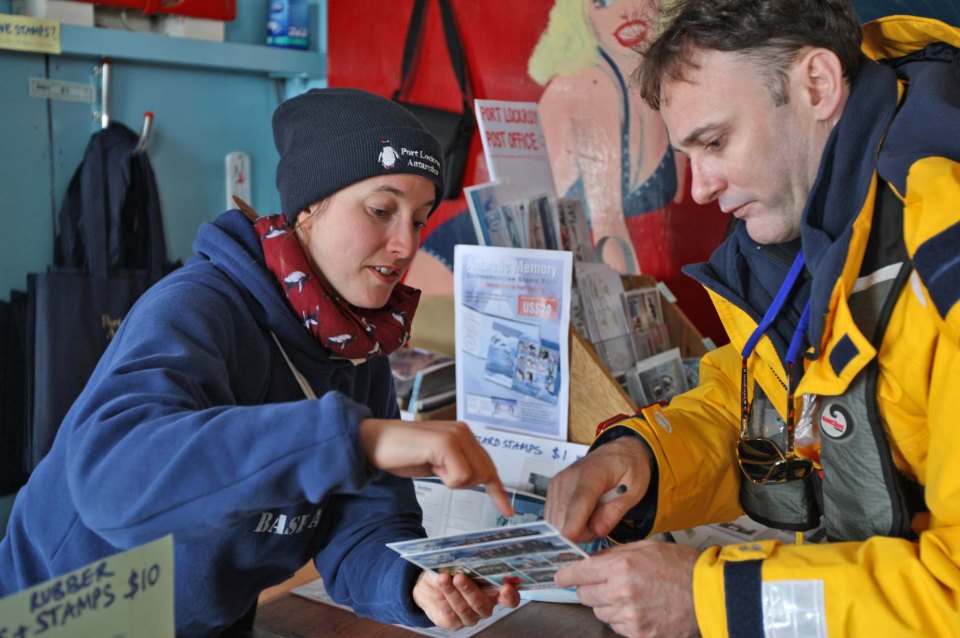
(458, 602)
(447, 449)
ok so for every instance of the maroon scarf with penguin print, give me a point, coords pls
(345, 331)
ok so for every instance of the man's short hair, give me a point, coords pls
(768, 32)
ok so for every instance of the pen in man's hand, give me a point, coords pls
(609, 495)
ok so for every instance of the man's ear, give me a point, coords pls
(822, 83)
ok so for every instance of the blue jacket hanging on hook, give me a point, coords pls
(109, 249)
(112, 202)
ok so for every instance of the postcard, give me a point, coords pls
(662, 376)
(643, 308)
(526, 555)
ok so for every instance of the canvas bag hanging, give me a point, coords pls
(453, 130)
(13, 348)
(109, 250)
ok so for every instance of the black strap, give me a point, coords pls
(411, 47)
(414, 45)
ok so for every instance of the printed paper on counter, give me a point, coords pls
(512, 320)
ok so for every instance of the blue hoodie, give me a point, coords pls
(192, 424)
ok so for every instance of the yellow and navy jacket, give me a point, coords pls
(899, 136)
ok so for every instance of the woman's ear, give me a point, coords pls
(823, 83)
(303, 219)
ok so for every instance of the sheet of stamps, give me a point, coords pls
(526, 555)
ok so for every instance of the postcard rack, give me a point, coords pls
(594, 394)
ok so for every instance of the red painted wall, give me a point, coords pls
(366, 40)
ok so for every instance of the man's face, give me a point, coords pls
(758, 160)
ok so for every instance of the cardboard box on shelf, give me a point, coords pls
(184, 27)
(66, 11)
(210, 9)
(122, 19)
(167, 24)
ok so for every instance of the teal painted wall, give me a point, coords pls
(201, 114)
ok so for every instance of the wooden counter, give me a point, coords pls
(292, 616)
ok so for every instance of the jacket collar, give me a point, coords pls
(840, 191)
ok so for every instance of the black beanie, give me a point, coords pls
(329, 139)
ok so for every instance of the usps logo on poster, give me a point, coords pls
(536, 307)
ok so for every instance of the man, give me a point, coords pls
(844, 174)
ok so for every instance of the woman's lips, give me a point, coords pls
(631, 33)
(391, 275)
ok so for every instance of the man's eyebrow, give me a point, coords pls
(697, 134)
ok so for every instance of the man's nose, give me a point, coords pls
(706, 185)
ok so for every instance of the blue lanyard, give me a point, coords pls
(797, 340)
(793, 351)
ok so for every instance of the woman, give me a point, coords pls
(606, 146)
(246, 404)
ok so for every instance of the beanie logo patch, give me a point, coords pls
(388, 156)
(421, 160)
(407, 159)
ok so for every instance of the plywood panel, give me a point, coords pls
(594, 395)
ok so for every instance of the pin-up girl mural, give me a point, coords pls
(606, 145)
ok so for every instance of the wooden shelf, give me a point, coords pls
(594, 394)
(161, 49)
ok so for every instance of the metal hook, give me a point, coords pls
(104, 93)
(144, 132)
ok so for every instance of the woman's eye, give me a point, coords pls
(715, 145)
(419, 225)
(602, 4)
(378, 212)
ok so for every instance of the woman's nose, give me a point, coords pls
(404, 240)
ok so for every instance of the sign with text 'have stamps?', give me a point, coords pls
(23, 33)
(127, 595)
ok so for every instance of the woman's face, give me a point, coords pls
(620, 25)
(363, 238)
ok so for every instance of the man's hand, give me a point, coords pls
(447, 449)
(572, 494)
(458, 602)
(640, 589)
